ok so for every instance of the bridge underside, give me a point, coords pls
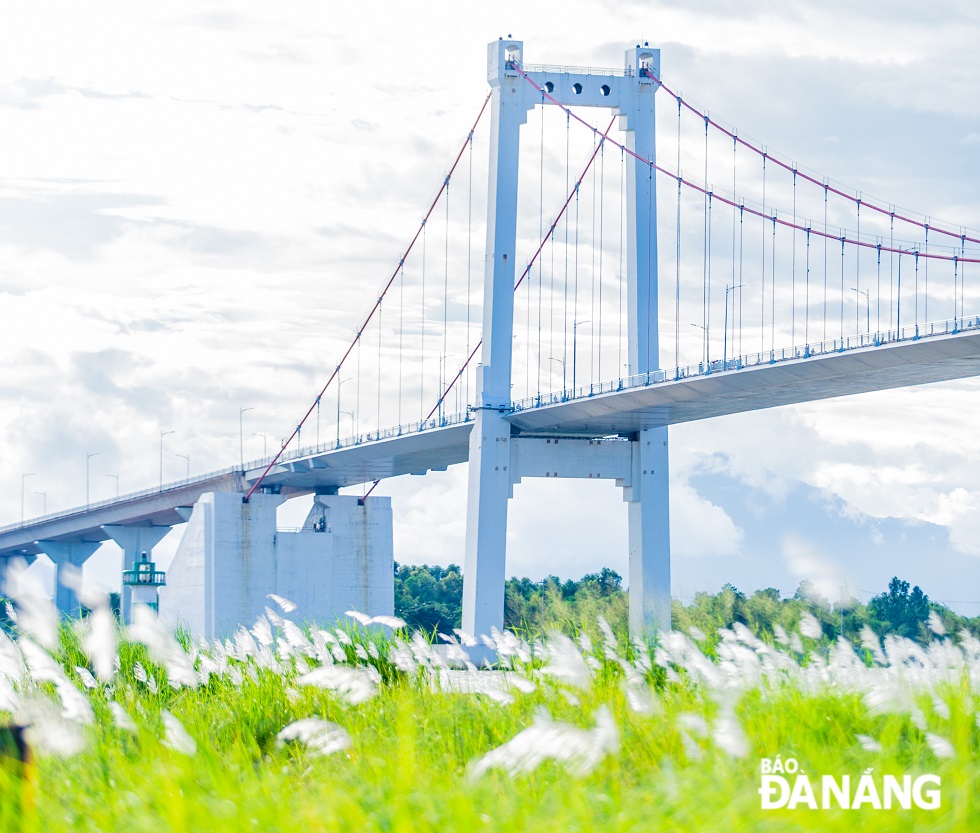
(619, 413)
(787, 382)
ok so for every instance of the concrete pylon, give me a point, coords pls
(630, 95)
(489, 478)
(67, 556)
(133, 540)
(649, 506)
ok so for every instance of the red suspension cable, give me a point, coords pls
(772, 218)
(534, 257)
(376, 306)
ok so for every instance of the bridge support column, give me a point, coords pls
(489, 478)
(232, 557)
(133, 540)
(649, 534)
(649, 517)
(68, 558)
(486, 524)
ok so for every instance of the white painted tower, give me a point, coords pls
(495, 458)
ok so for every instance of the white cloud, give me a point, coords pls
(193, 217)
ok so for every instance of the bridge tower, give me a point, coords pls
(494, 464)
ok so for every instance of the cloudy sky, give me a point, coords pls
(198, 200)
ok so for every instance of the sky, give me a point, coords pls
(198, 200)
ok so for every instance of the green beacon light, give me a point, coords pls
(145, 580)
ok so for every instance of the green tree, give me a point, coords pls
(900, 611)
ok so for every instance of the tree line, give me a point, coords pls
(429, 598)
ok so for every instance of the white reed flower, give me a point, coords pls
(175, 736)
(48, 732)
(810, 626)
(940, 747)
(566, 663)
(728, 735)
(319, 736)
(936, 624)
(120, 718)
(36, 615)
(357, 616)
(11, 661)
(162, 646)
(868, 743)
(286, 605)
(262, 631)
(86, 677)
(870, 641)
(580, 750)
(75, 705)
(99, 642)
(9, 701)
(466, 639)
(354, 685)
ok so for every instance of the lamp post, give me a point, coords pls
(724, 355)
(340, 384)
(265, 442)
(351, 415)
(704, 346)
(23, 481)
(867, 298)
(442, 381)
(116, 478)
(241, 436)
(187, 459)
(88, 457)
(162, 435)
(562, 370)
(44, 505)
(575, 350)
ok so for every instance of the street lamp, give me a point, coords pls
(562, 370)
(575, 349)
(88, 457)
(23, 481)
(116, 478)
(442, 381)
(351, 415)
(44, 505)
(857, 312)
(704, 350)
(162, 435)
(724, 355)
(340, 384)
(241, 436)
(265, 442)
(187, 459)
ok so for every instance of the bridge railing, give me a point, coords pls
(172, 486)
(748, 360)
(654, 377)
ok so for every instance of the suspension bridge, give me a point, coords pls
(779, 286)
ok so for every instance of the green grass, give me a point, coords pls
(413, 746)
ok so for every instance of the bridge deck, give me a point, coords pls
(432, 447)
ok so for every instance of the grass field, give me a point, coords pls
(289, 728)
